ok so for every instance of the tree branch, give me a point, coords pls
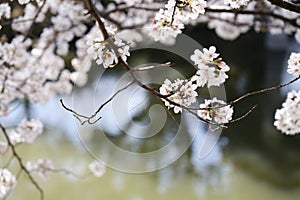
(286, 5)
(263, 91)
(87, 119)
(21, 164)
(91, 8)
(254, 12)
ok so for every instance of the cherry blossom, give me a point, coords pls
(228, 25)
(23, 1)
(7, 182)
(216, 111)
(5, 10)
(294, 64)
(236, 3)
(164, 27)
(3, 148)
(42, 166)
(23, 23)
(97, 168)
(181, 92)
(50, 46)
(187, 9)
(108, 51)
(27, 131)
(287, 119)
(211, 69)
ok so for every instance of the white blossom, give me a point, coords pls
(211, 69)
(108, 51)
(97, 168)
(216, 111)
(224, 24)
(287, 119)
(42, 166)
(5, 10)
(7, 182)
(187, 10)
(297, 35)
(79, 78)
(3, 148)
(181, 92)
(236, 3)
(164, 26)
(294, 64)
(23, 1)
(24, 22)
(27, 131)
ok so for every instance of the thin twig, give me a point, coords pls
(96, 15)
(87, 119)
(174, 12)
(21, 164)
(34, 19)
(254, 12)
(248, 95)
(68, 172)
(286, 5)
(263, 91)
(94, 12)
(169, 113)
(244, 115)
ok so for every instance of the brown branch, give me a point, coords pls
(286, 5)
(243, 116)
(87, 119)
(174, 11)
(213, 10)
(68, 172)
(165, 97)
(125, 8)
(263, 91)
(254, 12)
(169, 113)
(34, 19)
(94, 12)
(21, 164)
(248, 95)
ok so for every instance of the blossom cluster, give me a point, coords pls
(169, 22)
(181, 92)
(216, 111)
(107, 52)
(211, 69)
(236, 3)
(51, 45)
(5, 11)
(26, 132)
(3, 148)
(42, 166)
(7, 182)
(97, 168)
(294, 64)
(287, 118)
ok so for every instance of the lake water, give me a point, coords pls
(228, 179)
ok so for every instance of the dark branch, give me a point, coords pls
(94, 12)
(286, 5)
(21, 164)
(254, 12)
(87, 119)
(263, 91)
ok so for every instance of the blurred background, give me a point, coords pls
(252, 160)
